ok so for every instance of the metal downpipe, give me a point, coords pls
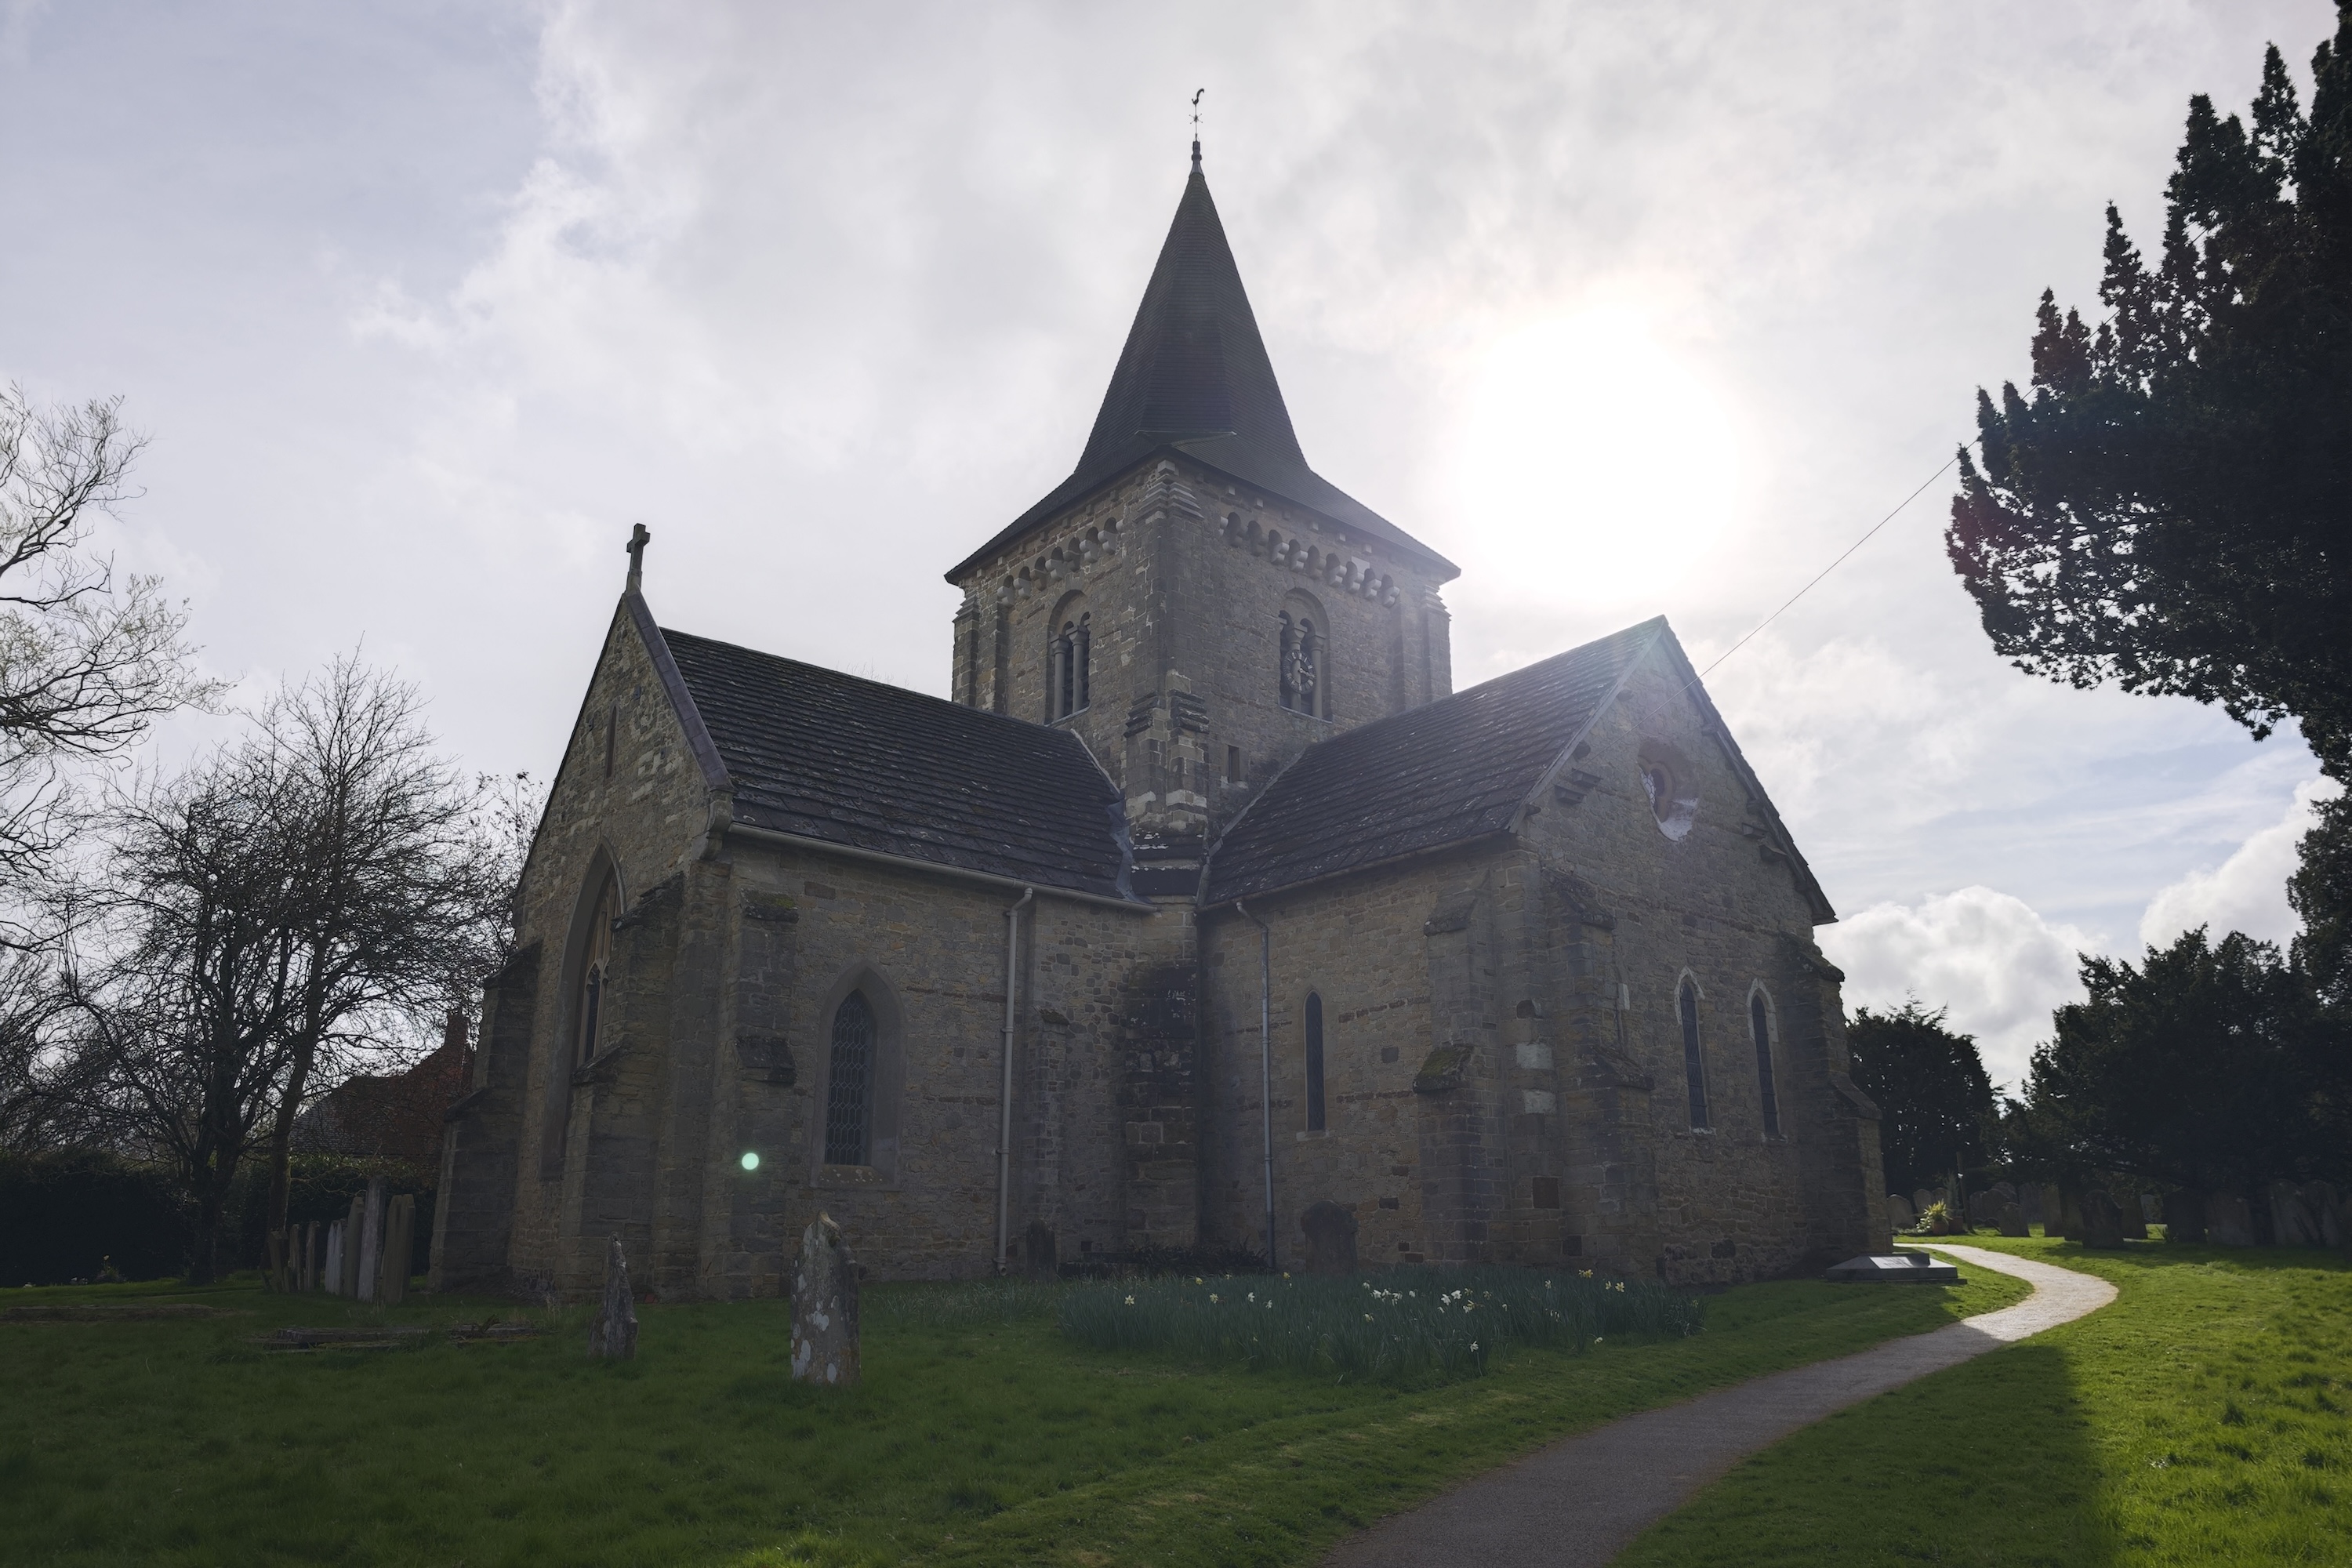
(1265, 1062)
(1004, 1086)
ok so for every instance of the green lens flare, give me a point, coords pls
(750, 1160)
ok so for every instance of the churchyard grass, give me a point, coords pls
(981, 1434)
(1405, 1326)
(2204, 1416)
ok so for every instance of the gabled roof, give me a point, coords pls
(1195, 378)
(1446, 772)
(821, 756)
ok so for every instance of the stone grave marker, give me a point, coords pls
(2184, 1217)
(350, 1272)
(1922, 1200)
(2102, 1222)
(2332, 1215)
(1900, 1214)
(2228, 1221)
(612, 1334)
(1330, 1237)
(2012, 1221)
(399, 1248)
(370, 1258)
(824, 1308)
(2292, 1223)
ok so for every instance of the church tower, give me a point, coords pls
(1194, 602)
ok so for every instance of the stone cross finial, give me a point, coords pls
(637, 547)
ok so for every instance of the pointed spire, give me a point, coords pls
(1194, 375)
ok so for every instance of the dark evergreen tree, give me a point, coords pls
(2197, 1069)
(2170, 508)
(1934, 1101)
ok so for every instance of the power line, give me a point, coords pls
(1834, 565)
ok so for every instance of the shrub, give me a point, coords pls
(1401, 1326)
(64, 1213)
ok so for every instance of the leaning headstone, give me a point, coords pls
(2184, 1217)
(824, 1307)
(2228, 1221)
(2102, 1222)
(1900, 1214)
(2012, 1221)
(612, 1336)
(1330, 1237)
(1923, 1199)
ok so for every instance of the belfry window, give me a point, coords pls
(849, 1083)
(1759, 1024)
(1302, 656)
(1694, 1064)
(1313, 1062)
(1070, 663)
(595, 968)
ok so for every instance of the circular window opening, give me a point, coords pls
(1666, 780)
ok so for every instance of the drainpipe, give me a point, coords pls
(1265, 1061)
(1004, 1088)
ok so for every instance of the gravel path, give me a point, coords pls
(1582, 1500)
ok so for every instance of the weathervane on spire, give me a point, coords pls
(1196, 131)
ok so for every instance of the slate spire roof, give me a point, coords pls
(1194, 377)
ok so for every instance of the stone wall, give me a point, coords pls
(1504, 1060)
(1184, 576)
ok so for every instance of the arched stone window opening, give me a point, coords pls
(1069, 660)
(1304, 658)
(1759, 1024)
(595, 971)
(849, 1083)
(1694, 1063)
(1313, 1062)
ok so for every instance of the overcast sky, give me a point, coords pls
(1626, 308)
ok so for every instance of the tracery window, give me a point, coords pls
(1759, 1024)
(1313, 1062)
(595, 968)
(849, 1083)
(1071, 660)
(1694, 1064)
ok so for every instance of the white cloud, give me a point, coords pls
(1990, 958)
(2246, 893)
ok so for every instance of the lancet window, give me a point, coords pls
(1070, 664)
(1694, 1063)
(1759, 1024)
(1302, 659)
(595, 969)
(849, 1083)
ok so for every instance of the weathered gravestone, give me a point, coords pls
(1984, 1208)
(2054, 1210)
(2012, 1221)
(1900, 1215)
(1922, 1200)
(2228, 1221)
(372, 1242)
(824, 1308)
(2293, 1222)
(612, 1334)
(1330, 1237)
(2184, 1217)
(1037, 1251)
(350, 1273)
(399, 1248)
(2335, 1215)
(2102, 1222)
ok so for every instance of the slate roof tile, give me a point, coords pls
(1444, 772)
(820, 755)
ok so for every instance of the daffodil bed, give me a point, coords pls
(1409, 1327)
(981, 1434)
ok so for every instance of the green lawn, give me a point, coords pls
(980, 1435)
(2200, 1418)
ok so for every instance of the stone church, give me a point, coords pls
(1205, 902)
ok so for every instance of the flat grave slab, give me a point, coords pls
(1895, 1269)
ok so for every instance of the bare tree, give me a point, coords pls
(30, 1008)
(400, 883)
(88, 661)
(181, 1024)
